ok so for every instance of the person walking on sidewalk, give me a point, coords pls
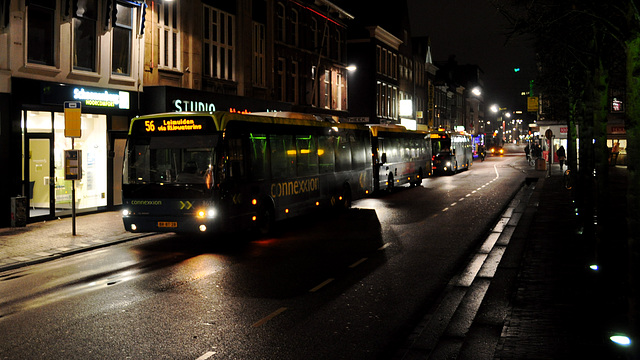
(562, 156)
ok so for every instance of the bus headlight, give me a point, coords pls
(209, 213)
(125, 212)
(134, 227)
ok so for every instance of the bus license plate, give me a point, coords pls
(167, 224)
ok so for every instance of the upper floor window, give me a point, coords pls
(294, 27)
(219, 51)
(281, 24)
(85, 46)
(258, 63)
(122, 40)
(168, 34)
(40, 31)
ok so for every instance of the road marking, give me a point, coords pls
(269, 317)
(454, 204)
(445, 209)
(206, 355)
(357, 263)
(384, 246)
(321, 285)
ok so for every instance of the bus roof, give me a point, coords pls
(222, 119)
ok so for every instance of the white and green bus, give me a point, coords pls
(203, 172)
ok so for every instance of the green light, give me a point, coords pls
(516, 69)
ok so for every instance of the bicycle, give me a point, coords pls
(566, 179)
(531, 160)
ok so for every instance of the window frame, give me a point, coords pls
(119, 26)
(168, 59)
(53, 49)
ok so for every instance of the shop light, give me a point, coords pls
(202, 228)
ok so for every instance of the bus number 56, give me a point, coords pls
(149, 126)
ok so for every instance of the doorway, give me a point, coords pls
(41, 180)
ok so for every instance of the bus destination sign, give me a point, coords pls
(165, 126)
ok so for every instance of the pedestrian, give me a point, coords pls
(562, 156)
(614, 153)
(526, 151)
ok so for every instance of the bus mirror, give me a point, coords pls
(383, 158)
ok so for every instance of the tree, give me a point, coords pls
(580, 45)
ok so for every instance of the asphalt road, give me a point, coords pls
(339, 286)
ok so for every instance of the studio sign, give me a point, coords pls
(188, 105)
(102, 98)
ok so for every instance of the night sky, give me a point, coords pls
(475, 32)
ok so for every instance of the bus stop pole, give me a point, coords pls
(73, 199)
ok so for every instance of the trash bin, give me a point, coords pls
(541, 164)
(18, 211)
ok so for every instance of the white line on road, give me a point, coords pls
(206, 355)
(357, 263)
(321, 285)
(269, 317)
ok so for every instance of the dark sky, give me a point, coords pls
(475, 32)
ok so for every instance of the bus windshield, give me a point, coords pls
(441, 145)
(170, 159)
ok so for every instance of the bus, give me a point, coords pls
(221, 171)
(452, 151)
(400, 156)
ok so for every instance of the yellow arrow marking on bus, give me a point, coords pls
(237, 198)
(185, 204)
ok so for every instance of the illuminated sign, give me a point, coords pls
(188, 105)
(172, 125)
(294, 187)
(101, 98)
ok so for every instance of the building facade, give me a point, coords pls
(123, 58)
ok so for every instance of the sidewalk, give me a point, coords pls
(48, 240)
(543, 302)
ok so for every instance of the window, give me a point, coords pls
(327, 88)
(168, 34)
(40, 32)
(283, 156)
(340, 91)
(281, 24)
(314, 35)
(219, 54)
(259, 156)
(294, 79)
(122, 41)
(258, 63)
(294, 27)
(280, 80)
(84, 35)
(307, 159)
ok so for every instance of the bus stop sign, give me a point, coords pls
(72, 112)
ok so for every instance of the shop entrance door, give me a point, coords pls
(41, 179)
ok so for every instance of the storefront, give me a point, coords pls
(39, 122)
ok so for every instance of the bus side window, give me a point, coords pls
(283, 156)
(307, 159)
(326, 159)
(358, 152)
(259, 159)
(343, 153)
(235, 158)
